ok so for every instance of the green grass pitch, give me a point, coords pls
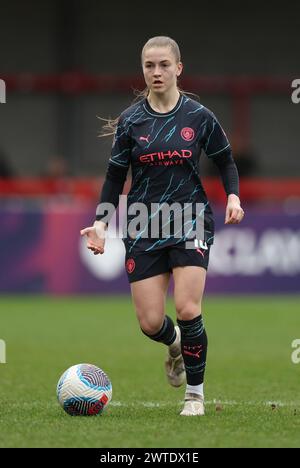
(252, 387)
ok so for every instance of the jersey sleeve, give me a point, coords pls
(121, 147)
(215, 141)
(217, 148)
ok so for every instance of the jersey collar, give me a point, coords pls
(154, 113)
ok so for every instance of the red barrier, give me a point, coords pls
(252, 190)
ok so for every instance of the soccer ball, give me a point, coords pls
(84, 390)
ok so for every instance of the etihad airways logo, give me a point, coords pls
(166, 158)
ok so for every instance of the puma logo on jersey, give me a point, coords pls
(142, 138)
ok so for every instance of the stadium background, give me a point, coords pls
(66, 62)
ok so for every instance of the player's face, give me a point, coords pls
(160, 69)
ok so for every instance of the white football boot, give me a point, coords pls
(174, 364)
(193, 405)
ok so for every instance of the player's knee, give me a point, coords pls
(150, 326)
(188, 311)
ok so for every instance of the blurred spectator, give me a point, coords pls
(56, 168)
(245, 158)
(6, 170)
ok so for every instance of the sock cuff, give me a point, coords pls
(191, 330)
(197, 319)
(197, 389)
(166, 334)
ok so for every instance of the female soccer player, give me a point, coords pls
(161, 138)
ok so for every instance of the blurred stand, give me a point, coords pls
(244, 156)
(6, 169)
(57, 178)
(57, 168)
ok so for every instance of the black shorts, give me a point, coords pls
(142, 265)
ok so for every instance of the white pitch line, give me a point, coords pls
(153, 404)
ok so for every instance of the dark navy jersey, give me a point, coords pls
(163, 151)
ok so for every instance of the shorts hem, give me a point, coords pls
(149, 275)
(190, 264)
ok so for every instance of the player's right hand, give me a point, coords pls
(95, 236)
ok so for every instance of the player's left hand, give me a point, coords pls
(234, 211)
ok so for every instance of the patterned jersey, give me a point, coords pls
(163, 151)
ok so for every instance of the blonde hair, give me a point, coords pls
(109, 127)
(162, 41)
